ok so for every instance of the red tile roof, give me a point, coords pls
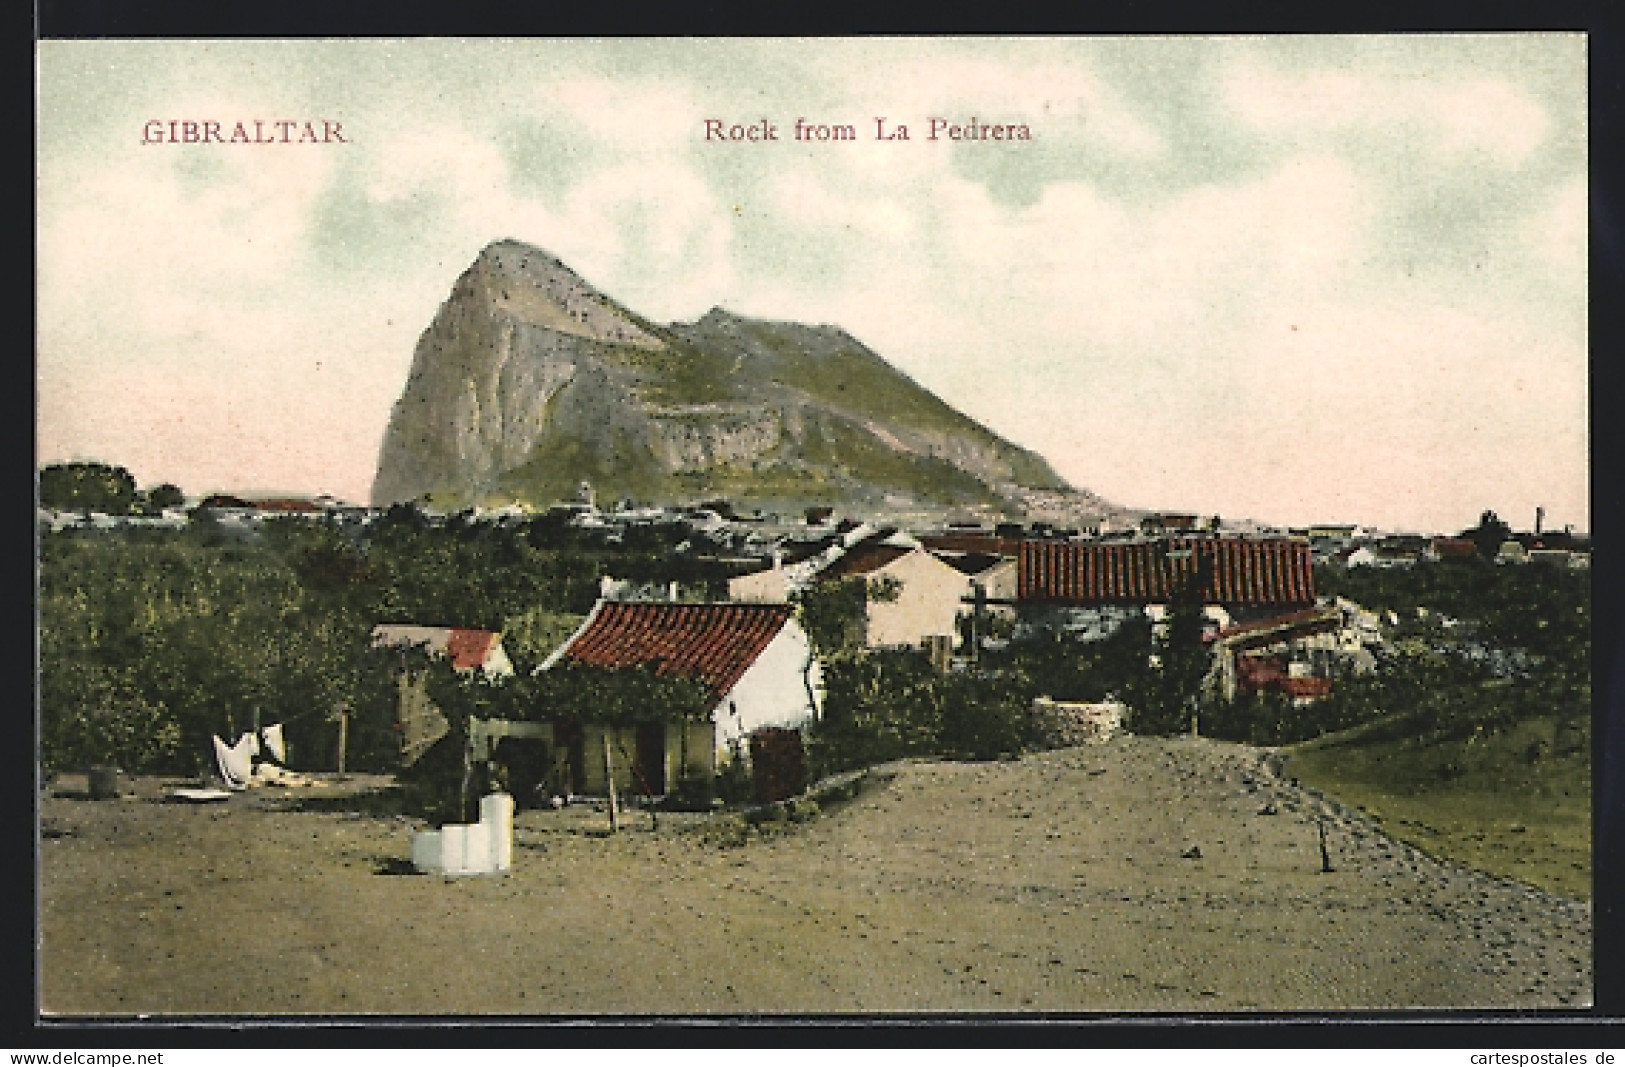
(1257, 674)
(1310, 620)
(468, 648)
(1454, 546)
(863, 559)
(286, 504)
(971, 542)
(1244, 573)
(713, 643)
(1307, 687)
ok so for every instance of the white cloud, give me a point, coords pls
(1557, 230)
(1459, 118)
(653, 234)
(636, 117)
(444, 160)
(1076, 265)
(245, 223)
(806, 199)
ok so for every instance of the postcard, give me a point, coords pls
(710, 527)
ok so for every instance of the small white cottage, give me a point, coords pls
(755, 659)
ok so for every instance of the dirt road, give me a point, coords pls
(1140, 874)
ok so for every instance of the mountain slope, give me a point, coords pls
(529, 381)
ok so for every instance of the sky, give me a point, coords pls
(1292, 279)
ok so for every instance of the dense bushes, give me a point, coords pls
(152, 640)
(1477, 649)
(148, 647)
(835, 615)
(891, 703)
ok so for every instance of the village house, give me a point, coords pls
(1512, 551)
(1090, 589)
(794, 564)
(1454, 548)
(1329, 531)
(971, 542)
(420, 723)
(1174, 523)
(754, 660)
(990, 581)
(1299, 654)
(1382, 557)
(770, 586)
(914, 597)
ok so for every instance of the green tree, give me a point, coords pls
(834, 614)
(878, 705)
(983, 716)
(1170, 702)
(162, 497)
(1489, 534)
(87, 487)
(99, 718)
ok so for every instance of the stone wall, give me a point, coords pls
(1066, 724)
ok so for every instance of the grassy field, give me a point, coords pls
(1517, 804)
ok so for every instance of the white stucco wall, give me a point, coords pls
(774, 691)
(930, 599)
(999, 580)
(771, 586)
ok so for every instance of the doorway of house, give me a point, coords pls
(649, 762)
(572, 745)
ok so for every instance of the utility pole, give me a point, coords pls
(978, 607)
(343, 714)
(609, 781)
(978, 602)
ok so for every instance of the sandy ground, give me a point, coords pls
(1066, 881)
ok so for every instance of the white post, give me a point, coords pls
(426, 854)
(496, 815)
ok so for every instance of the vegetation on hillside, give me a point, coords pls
(760, 367)
(1516, 802)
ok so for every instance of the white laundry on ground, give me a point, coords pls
(270, 774)
(273, 742)
(236, 762)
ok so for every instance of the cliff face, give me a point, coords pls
(529, 381)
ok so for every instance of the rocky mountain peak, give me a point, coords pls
(534, 287)
(530, 381)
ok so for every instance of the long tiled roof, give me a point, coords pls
(713, 643)
(1243, 573)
